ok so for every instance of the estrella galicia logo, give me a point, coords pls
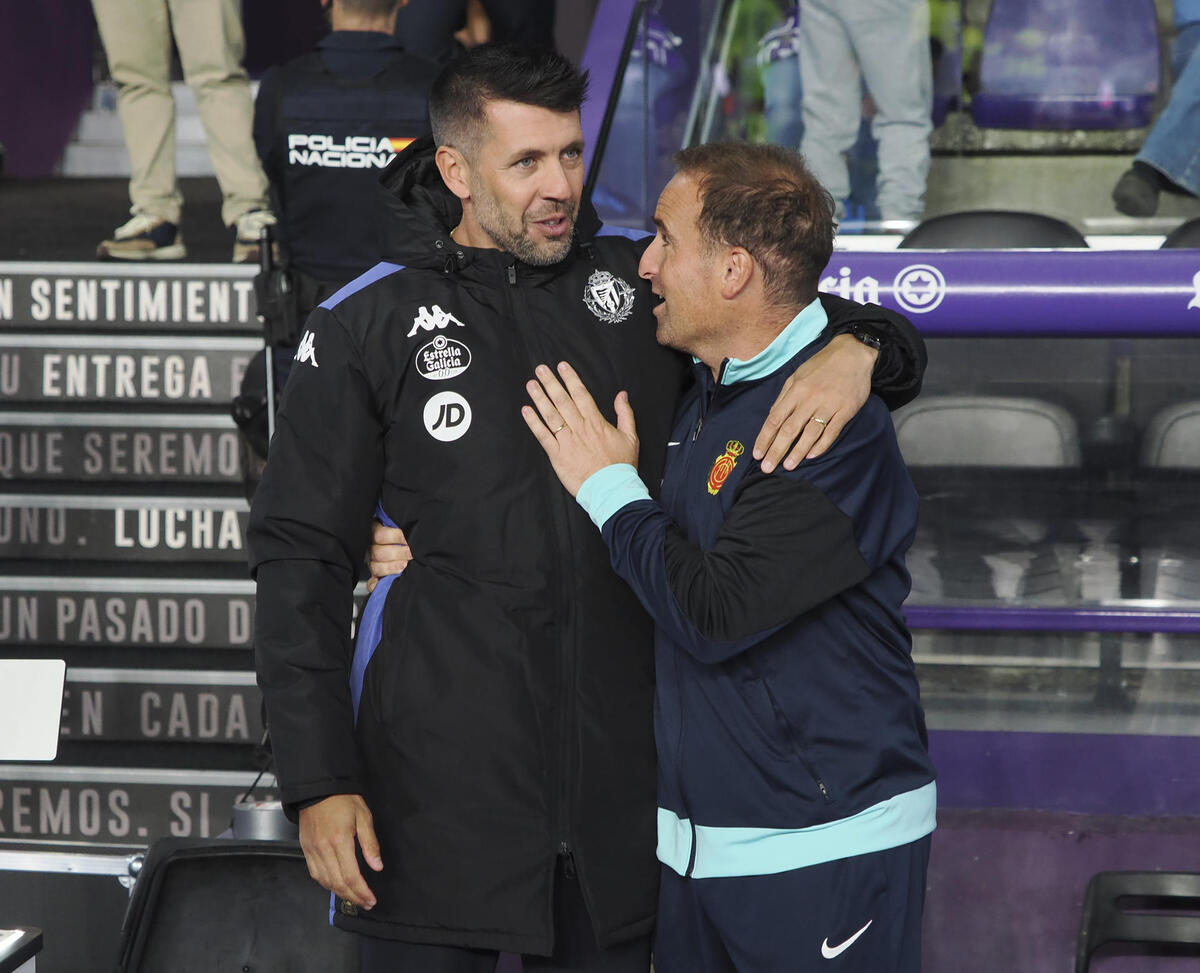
(447, 416)
(443, 358)
(919, 288)
(723, 466)
(608, 297)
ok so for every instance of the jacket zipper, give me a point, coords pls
(566, 659)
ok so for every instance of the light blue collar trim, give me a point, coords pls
(802, 330)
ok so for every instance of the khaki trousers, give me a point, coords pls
(208, 33)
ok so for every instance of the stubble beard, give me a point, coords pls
(517, 239)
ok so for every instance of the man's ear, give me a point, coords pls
(737, 272)
(455, 170)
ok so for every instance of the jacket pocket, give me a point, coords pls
(790, 735)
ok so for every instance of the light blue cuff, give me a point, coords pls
(609, 489)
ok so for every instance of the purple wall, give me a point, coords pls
(46, 76)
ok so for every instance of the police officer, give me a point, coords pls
(326, 124)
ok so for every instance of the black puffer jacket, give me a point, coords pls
(505, 717)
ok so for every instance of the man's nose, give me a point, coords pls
(648, 265)
(555, 184)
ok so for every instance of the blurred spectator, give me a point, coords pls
(884, 44)
(1170, 157)
(208, 34)
(440, 28)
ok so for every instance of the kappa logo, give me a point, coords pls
(447, 416)
(832, 952)
(307, 352)
(723, 466)
(432, 320)
(443, 358)
(608, 297)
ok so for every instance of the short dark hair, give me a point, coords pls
(499, 72)
(765, 199)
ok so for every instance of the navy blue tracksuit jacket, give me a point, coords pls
(787, 714)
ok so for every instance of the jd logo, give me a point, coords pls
(447, 416)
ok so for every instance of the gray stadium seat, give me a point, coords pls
(992, 229)
(1186, 236)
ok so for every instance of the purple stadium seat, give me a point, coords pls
(1064, 64)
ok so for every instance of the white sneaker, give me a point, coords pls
(249, 230)
(144, 238)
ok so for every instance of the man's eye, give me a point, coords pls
(526, 163)
(572, 154)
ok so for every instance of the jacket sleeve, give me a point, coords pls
(309, 528)
(900, 367)
(784, 549)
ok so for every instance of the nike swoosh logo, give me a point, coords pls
(672, 444)
(832, 952)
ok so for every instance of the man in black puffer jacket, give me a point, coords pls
(477, 774)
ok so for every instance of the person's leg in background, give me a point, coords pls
(1170, 157)
(136, 35)
(891, 39)
(208, 34)
(832, 105)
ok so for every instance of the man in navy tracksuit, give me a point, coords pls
(796, 793)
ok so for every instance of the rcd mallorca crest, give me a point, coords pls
(608, 297)
(723, 466)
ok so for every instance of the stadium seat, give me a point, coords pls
(991, 229)
(1151, 912)
(1062, 64)
(204, 904)
(1169, 532)
(1186, 236)
(981, 463)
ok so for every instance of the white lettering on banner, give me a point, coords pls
(30, 453)
(198, 717)
(142, 301)
(118, 621)
(64, 812)
(33, 525)
(170, 528)
(118, 376)
(865, 291)
(18, 618)
(6, 298)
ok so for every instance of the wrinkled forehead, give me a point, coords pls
(512, 127)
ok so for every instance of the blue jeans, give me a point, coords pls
(1173, 145)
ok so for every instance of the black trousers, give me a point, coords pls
(575, 949)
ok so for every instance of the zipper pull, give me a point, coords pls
(699, 426)
(512, 273)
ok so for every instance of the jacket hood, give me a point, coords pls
(421, 212)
